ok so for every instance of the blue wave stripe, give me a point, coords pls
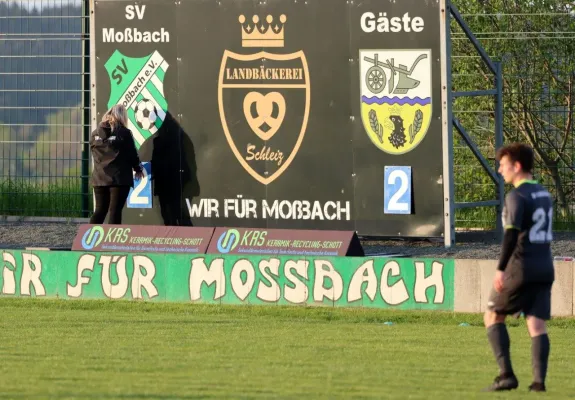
(395, 100)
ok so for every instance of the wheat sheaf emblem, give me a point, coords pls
(416, 126)
(375, 125)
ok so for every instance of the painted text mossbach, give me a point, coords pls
(134, 35)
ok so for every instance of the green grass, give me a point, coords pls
(476, 218)
(26, 197)
(127, 350)
(486, 217)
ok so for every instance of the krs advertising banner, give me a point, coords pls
(318, 114)
(288, 280)
(196, 240)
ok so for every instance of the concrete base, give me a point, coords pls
(474, 281)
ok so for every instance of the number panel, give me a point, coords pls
(397, 190)
(141, 194)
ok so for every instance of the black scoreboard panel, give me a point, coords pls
(301, 115)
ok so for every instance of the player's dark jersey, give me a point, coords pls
(529, 209)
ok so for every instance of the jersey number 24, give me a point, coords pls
(542, 220)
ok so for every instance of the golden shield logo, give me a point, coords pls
(264, 100)
(395, 97)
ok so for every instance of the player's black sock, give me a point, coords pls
(540, 355)
(499, 339)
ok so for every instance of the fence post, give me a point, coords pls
(86, 123)
(499, 143)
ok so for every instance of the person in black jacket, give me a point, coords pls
(115, 156)
(175, 176)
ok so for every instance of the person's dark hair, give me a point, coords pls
(518, 152)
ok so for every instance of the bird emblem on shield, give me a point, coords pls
(264, 99)
(138, 84)
(395, 97)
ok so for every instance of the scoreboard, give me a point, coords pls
(317, 114)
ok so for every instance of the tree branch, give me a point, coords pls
(568, 126)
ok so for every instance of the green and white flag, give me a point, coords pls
(138, 84)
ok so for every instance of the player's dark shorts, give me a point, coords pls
(533, 299)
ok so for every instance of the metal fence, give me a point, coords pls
(44, 104)
(534, 40)
(43, 115)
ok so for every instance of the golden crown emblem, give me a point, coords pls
(258, 34)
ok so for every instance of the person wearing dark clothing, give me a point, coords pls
(115, 156)
(525, 273)
(174, 172)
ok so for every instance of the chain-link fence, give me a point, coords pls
(43, 112)
(534, 40)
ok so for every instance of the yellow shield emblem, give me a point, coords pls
(395, 97)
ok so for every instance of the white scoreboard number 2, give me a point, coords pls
(141, 194)
(397, 190)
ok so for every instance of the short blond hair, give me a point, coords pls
(116, 116)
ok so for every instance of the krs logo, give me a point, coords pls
(93, 237)
(98, 234)
(231, 238)
(228, 241)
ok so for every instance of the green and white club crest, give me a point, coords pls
(138, 84)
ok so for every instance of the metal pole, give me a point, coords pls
(447, 127)
(86, 123)
(499, 142)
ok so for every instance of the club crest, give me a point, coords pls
(138, 84)
(264, 100)
(395, 97)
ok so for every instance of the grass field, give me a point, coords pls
(26, 197)
(106, 350)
